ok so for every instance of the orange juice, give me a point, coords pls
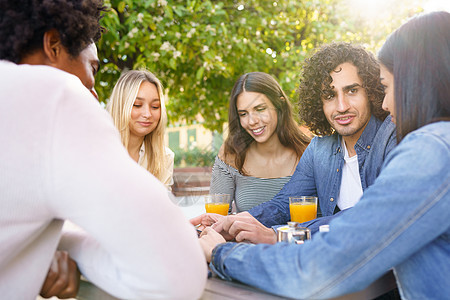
(217, 208)
(302, 212)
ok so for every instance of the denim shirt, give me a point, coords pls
(319, 171)
(402, 221)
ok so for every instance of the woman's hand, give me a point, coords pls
(209, 219)
(205, 220)
(209, 239)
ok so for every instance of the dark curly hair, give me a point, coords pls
(316, 76)
(24, 22)
(289, 134)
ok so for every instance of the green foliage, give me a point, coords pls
(194, 157)
(198, 48)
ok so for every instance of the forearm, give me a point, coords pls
(354, 253)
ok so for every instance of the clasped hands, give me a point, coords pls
(242, 227)
(63, 277)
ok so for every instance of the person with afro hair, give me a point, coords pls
(63, 160)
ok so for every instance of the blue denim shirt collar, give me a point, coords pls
(366, 139)
(319, 171)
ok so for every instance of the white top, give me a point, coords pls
(54, 166)
(169, 157)
(351, 189)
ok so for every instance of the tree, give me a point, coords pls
(199, 48)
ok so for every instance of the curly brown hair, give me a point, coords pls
(24, 22)
(316, 76)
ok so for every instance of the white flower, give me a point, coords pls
(140, 17)
(176, 54)
(190, 33)
(204, 49)
(162, 2)
(126, 45)
(132, 32)
(207, 66)
(243, 21)
(156, 56)
(218, 58)
(152, 36)
(177, 35)
(210, 28)
(166, 46)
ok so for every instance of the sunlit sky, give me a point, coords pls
(373, 9)
(432, 5)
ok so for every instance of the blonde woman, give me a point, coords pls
(139, 113)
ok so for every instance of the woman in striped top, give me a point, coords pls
(263, 146)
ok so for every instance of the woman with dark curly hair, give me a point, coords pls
(63, 161)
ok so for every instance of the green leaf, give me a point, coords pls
(173, 64)
(121, 6)
(169, 12)
(199, 74)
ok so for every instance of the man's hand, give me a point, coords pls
(63, 278)
(244, 227)
(209, 239)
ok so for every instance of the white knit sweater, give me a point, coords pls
(61, 159)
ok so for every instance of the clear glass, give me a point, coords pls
(217, 204)
(303, 208)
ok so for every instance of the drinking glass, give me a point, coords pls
(217, 204)
(303, 208)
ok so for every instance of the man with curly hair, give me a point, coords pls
(63, 160)
(340, 98)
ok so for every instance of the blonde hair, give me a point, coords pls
(120, 105)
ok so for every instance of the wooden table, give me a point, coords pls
(217, 289)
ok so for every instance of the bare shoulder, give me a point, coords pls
(227, 158)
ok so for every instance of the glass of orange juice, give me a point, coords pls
(303, 208)
(217, 204)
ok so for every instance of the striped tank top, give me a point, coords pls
(245, 191)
